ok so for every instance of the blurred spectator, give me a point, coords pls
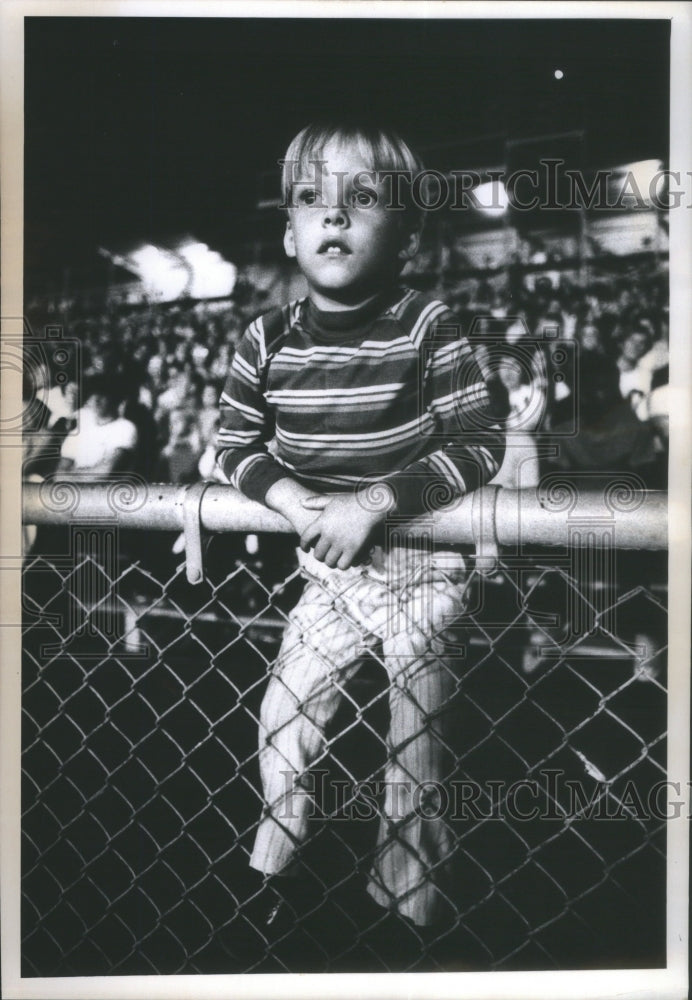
(589, 338)
(62, 402)
(658, 405)
(155, 370)
(657, 357)
(146, 452)
(103, 442)
(57, 415)
(609, 437)
(520, 467)
(209, 413)
(635, 377)
(525, 410)
(199, 354)
(182, 453)
(178, 394)
(516, 330)
(40, 451)
(221, 363)
(525, 396)
(207, 466)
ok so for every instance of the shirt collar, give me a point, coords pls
(346, 324)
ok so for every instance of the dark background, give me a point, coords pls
(139, 128)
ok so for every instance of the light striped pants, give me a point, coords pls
(405, 604)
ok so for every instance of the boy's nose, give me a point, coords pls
(335, 215)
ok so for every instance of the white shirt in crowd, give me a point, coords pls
(636, 379)
(527, 407)
(59, 405)
(639, 378)
(94, 443)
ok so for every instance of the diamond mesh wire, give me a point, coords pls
(141, 790)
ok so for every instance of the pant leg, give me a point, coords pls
(319, 653)
(415, 843)
(335, 620)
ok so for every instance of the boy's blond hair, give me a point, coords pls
(382, 149)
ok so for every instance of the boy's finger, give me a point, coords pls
(311, 533)
(317, 502)
(321, 549)
(332, 558)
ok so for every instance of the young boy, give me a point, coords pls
(377, 412)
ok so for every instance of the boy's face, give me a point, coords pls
(348, 245)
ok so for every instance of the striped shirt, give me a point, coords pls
(387, 393)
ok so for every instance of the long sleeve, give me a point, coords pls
(246, 424)
(470, 441)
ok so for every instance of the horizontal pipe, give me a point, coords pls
(560, 514)
(637, 521)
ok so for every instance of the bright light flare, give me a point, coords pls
(636, 182)
(192, 269)
(492, 199)
(211, 276)
(162, 273)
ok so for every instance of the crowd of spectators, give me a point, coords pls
(146, 385)
(579, 366)
(583, 362)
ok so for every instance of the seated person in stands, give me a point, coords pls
(609, 438)
(62, 402)
(525, 396)
(146, 452)
(589, 338)
(526, 410)
(633, 376)
(209, 413)
(103, 442)
(179, 393)
(182, 453)
(44, 430)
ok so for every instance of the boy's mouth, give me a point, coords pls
(334, 248)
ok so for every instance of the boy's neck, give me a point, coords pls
(325, 304)
(333, 325)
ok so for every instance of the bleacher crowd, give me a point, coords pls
(585, 363)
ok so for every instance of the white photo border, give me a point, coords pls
(669, 983)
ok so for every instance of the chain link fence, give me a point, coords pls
(141, 787)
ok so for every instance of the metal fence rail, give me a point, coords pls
(143, 679)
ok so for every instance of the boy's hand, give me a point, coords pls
(341, 530)
(287, 497)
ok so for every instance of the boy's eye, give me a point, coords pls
(307, 196)
(362, 199)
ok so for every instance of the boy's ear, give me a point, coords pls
(410, 245)
(289, 242)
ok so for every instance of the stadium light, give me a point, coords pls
(492, 199)
(210, 275)
(189, 269)
(162, 273)
(635, 182)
